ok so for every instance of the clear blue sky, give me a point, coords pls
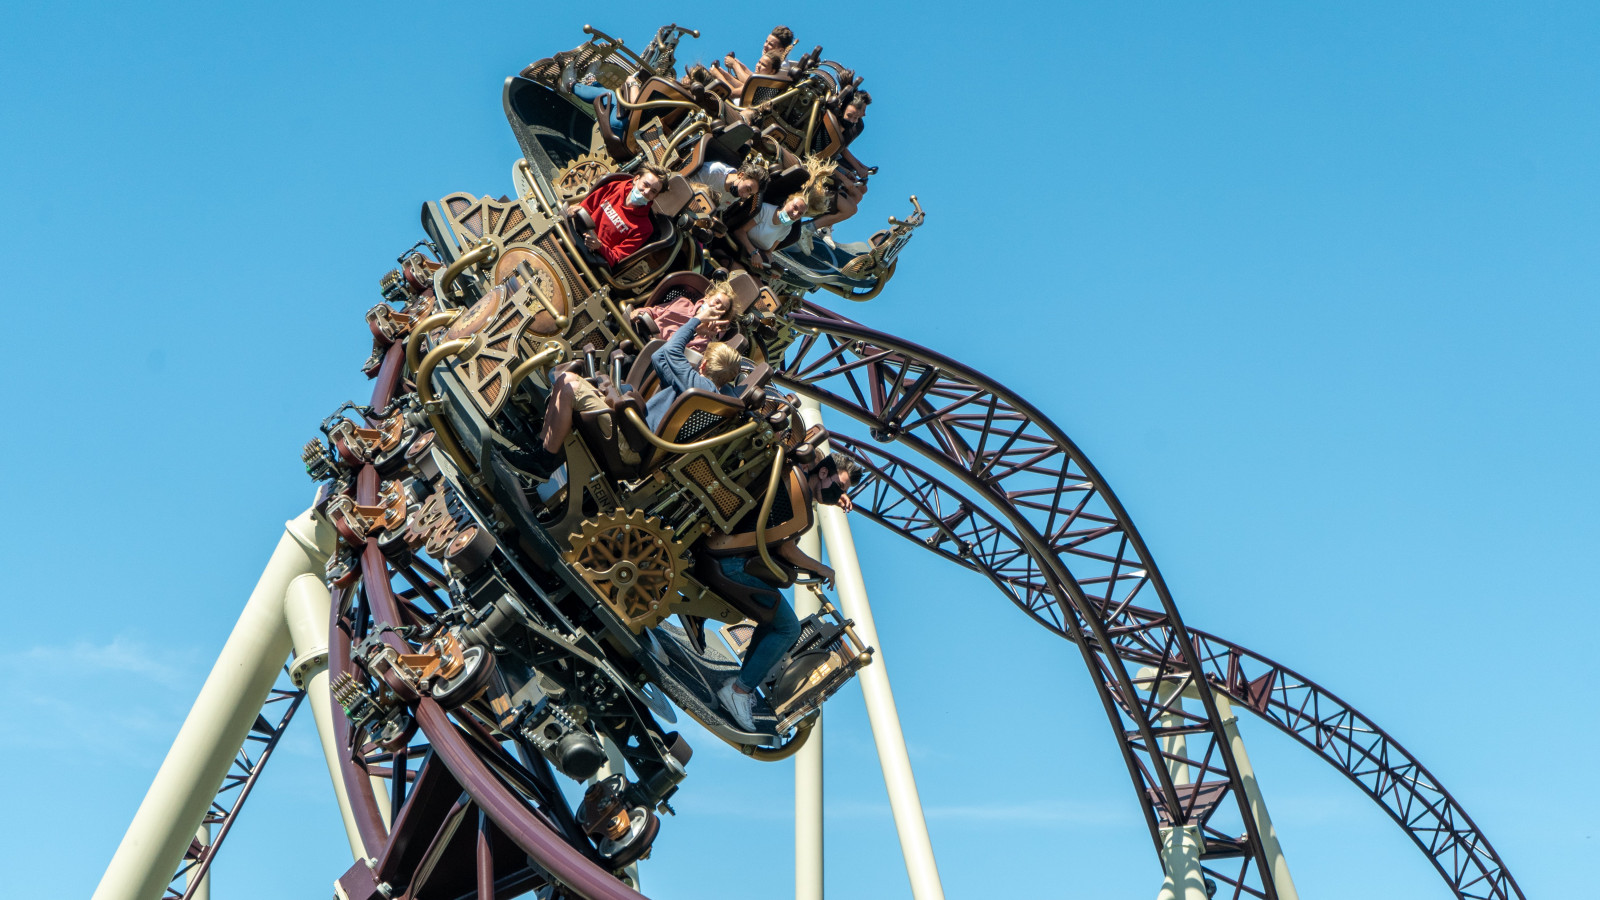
(1313, 285)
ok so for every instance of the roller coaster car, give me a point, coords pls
(538, 612)
(782, 117)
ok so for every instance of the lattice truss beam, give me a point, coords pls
(943, 519)
(245, 770)
(1024, 507)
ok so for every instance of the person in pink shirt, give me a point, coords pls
(669, 317)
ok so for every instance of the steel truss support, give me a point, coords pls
(193, 878)
(947, 520)
(1027, 508)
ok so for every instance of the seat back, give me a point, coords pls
(678, 284)
(655, 89)
(615, 144)
(745, 291)
(695, 415)
(790, 517)
(674, 196)
(759, 89)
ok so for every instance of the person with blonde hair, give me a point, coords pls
(717, 303)
(718, 369)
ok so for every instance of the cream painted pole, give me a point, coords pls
(203, 891)
(885, 720)
(1180, 854)
(215, 729)
(1270, 847)
(307, 609)
(808, 835)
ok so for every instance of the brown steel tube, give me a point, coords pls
(766, 510)
(441, 428)
(507, 812)
(363, 805)
(485, 859)
(420, 329)
(388, 376)
(445, 285)
(707, 444)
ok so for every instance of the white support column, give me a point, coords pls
(1180, 856)
(1277, 864)
(307, 608)
(902, 785)
(808, 836)
(215, 729)
(203, 891)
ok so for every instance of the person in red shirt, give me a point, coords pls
(620, 212)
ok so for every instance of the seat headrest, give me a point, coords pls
(674, 196)
(745, 291)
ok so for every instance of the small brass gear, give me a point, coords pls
(581, 174)
(632, 560)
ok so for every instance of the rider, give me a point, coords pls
(830, 481)
(719, 365)
(620, 211)
(714, 323)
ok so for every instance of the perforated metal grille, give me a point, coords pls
(763, 94)
(782, 509)
(552, 246)
(698, 423)
(699, 471)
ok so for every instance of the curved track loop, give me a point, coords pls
(1071, 558)
(938, 517)
(498, 802)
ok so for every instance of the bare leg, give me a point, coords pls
(558, 413)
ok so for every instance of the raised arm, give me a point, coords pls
(670, 362)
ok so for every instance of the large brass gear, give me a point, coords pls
(632, 560)
(579, 175)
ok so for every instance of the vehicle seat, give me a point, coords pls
(754, 603)
(612, 442)
(790, 517)
(615, 144)
(695, 414)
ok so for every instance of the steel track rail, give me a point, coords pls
(1091, 559)
(945, 520)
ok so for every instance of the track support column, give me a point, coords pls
(902, 785)
(1277, 864)
(215, 729)
(307, 608)
(1180, 856)
(808, 832)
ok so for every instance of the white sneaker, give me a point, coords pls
(738, 703)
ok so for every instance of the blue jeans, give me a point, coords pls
(771, 640)
(593, 92)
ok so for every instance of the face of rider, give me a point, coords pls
(742, 186)
(828, 484)
(646, 186)
(716, 305)
(793, 208)
(854, 112)
(772, 45)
